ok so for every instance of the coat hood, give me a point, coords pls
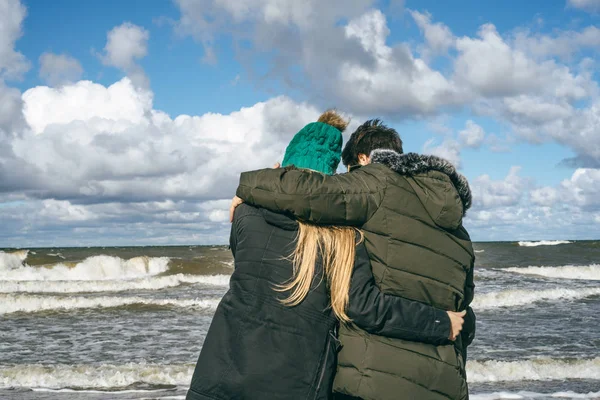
(282, 221)
(444, 192)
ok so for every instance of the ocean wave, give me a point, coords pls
(533, 395)
(95, 268)
(588, 272)
(544, 243)
(479, 251)
(533, 370)
(13, 260)
(13, 303)
(150, 283)
(113, 377)
(94, 377)
(510, 298)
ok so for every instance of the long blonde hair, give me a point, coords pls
(337, 248)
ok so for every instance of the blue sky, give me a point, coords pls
(129, 122)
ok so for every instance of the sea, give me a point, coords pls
(129, 322)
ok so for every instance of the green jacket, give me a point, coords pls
(410, 208)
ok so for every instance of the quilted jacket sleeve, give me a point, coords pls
(345, 199)
(387, 315)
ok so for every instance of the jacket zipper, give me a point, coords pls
(327, 348)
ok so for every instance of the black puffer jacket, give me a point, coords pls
(257, 348)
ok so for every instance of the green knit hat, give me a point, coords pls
(318, 146)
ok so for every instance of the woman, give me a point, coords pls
(273, 335)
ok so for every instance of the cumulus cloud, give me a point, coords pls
(592, 6)
(58, 69)
(582, 190)
(438, 36)
(342, 55)
(126, 44)
(449, 149)
(563, 44)
(538, 120)
(472, 136)
(340, 46)
(489, 193)
(99, 144)
(492, 68)
(12, 63)
(104, 156)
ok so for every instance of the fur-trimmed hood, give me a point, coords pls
(444, 192)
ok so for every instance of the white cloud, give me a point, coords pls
(438, 36)
(449, 149)
(349, 64)
(58, 69)
(580, 192)
(472, 136)
(488, 193)
(592, 6)
(62, 210)
(12, 63)
(563, 44)
(396, 82)
(493, 69)
(583, 188)
(546, 196)
(538, 120)
(126, 44)
(108, 109)
(99, 144)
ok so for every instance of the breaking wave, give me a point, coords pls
(509, 298)
(544, 243)
(150, 283)
(589, 272)
(14, 260)
(95, 268)
(533, 370)
(532, 395)
(113, 377)
(13, 303)
(94, 377)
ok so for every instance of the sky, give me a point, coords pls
(129, 122)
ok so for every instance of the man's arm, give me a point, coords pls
(345, 199)
(392, 316)
(468, 333)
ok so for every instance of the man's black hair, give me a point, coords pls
(370, 136)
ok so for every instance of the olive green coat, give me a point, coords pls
(410, 208)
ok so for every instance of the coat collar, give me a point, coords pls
(410, 164)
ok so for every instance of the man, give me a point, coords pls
(410, 208)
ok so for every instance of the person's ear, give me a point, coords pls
(364, 159)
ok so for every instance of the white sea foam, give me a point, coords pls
(56, 255)
(91, 269)
(544, 243)
(588, 272)
(13, 260)
(510, 298)
(524, 395)
(150, 283)
(12, 303)
(479, 251)
(94, 377)
(121, 376)
(533, 370)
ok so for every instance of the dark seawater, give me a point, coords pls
(129, 322)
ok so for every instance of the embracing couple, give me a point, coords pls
(346, 286)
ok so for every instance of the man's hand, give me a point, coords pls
(457, 319)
